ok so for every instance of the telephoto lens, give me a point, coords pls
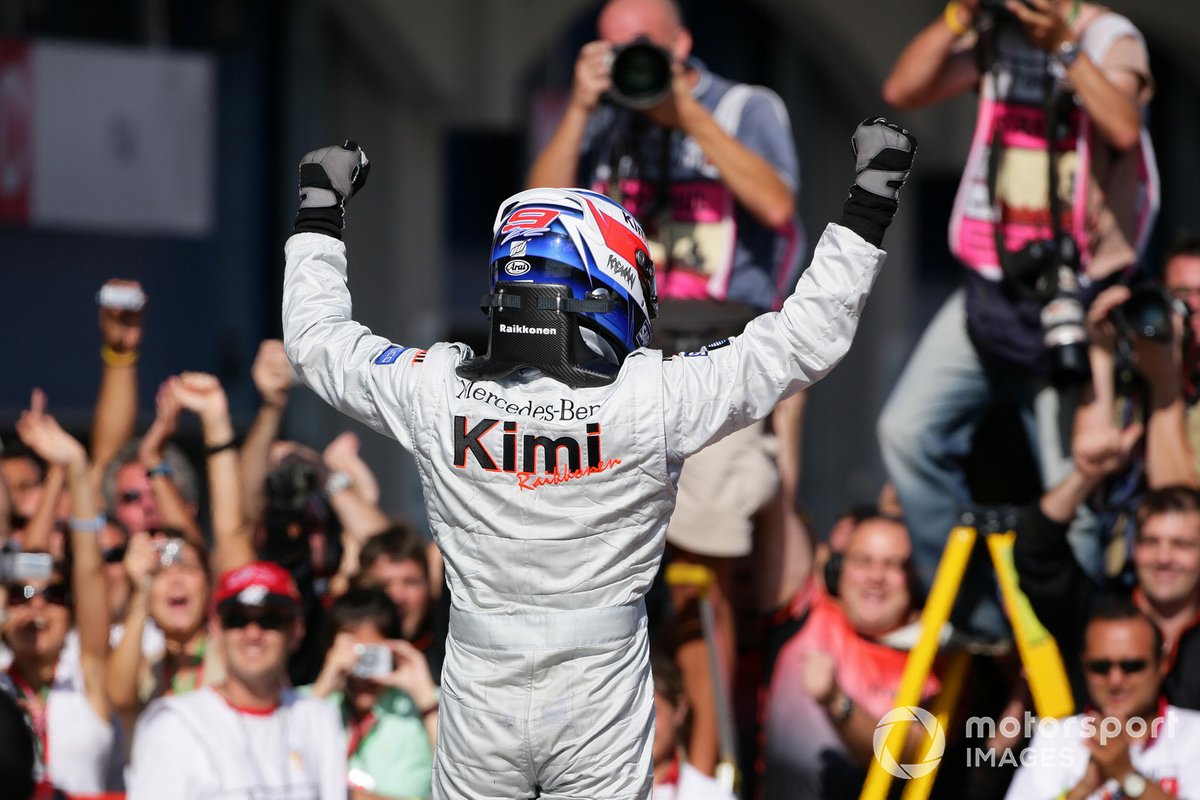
(1066, 337)
(641, 74)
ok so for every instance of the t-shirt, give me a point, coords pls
(198, 746)
(393, 757)
(1057, 759)
(690, 784)
(805, 756)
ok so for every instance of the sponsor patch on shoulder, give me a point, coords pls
(390, 355)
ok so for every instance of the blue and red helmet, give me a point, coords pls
(572, 286)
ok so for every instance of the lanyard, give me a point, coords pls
(194, 675)
(357, 732)
(36, 706)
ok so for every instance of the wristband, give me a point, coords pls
(951, 16)
(93, 525)
(212, 450)
(161, 469)
(114, 359)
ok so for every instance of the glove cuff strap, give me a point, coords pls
(327, 221)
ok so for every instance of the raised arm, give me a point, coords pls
(126, 659)
(44, 436)
(558, 163)
(352, 492)
(754, 181)
(778, 354)
(273, 378)
(1111, 95)
(122, 310)
(938, 63)
(202, 394)
(173, 509)
(1169, 458)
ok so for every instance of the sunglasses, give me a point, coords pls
(55, 594)
(1128, 666)
(239, 616)
(130, 497)
(113, 555)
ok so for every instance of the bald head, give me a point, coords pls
(622, 21)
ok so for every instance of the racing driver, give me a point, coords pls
(549, 464)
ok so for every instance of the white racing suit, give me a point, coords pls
(550, 506)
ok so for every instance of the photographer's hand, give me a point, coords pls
(754, 181)
(593, 75)
(1043, 22)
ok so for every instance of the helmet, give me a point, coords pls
(572, 287)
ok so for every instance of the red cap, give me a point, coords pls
(254, 583)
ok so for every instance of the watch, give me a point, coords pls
(1133, 785)
(841, 708)
(337, 482)
(1067, 52)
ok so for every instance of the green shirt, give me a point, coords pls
(395, 751)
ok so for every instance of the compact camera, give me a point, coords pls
(17, 567)
(641, 74)
(121, 298)
(372, 661)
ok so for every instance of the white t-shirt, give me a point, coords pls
(196, 746)
(693, 785)
(1056, 759)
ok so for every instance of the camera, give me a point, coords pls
(641, 74)
(1146, 314)
(17, 567)
(1065, 336)
(121, 298)
(169, 552)
(373, 661)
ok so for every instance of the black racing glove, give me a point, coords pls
(883, 157)
(328, 178)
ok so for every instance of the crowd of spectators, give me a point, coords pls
(256, 623)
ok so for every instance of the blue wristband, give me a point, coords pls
(93, 525)
(161, 468)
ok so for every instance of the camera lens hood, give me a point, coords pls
(641, 75)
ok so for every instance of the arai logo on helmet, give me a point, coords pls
(517, 267)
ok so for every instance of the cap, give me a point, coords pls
(255, 584)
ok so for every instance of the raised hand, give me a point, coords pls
(166, 420)
(121, 327)
(201, 394)
(593, 75)
(42, 434)
(272, 373)
(883, 154)
(341, 455)
(331, 175)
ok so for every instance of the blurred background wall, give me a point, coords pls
(168, 155)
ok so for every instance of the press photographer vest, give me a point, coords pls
(1109, 199)
(705, 246)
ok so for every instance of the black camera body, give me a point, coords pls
(641, 74)
(1146, 314)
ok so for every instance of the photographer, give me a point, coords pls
(1049, 210)
(709, 168)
